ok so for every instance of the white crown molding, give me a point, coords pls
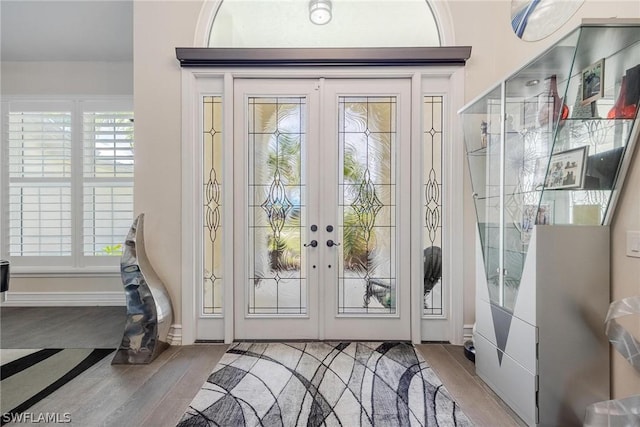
(63, 299)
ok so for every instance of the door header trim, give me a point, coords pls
(301, 57)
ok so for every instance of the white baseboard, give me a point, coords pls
(467, 333)
(174, 337)
(63, 299)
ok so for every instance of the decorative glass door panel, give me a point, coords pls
(275, 135)
(277, 207)
(212, 192)
(367, 203)
(366, 278)
(432, 126)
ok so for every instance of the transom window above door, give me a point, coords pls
(343, 23)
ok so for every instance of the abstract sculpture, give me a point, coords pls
(149, 313)
(432, 258)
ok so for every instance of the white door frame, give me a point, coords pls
(211, 81)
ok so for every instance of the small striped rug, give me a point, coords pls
(29, 375)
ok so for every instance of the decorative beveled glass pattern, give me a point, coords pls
(212, 192)
(432, 201)
(367, 205)
(277, 205)
(277, 211)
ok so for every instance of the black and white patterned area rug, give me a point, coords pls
(323, 384)
(29, 375)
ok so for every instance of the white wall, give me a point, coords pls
(160, 27)
(66, 78)
(97, 284)
(625, 275)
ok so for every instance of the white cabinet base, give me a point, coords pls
(520, 395)
(555, 342)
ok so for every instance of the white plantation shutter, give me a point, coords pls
(40, 144)
(40, 158)
(108, 144)
(108, 180)
(67, 182)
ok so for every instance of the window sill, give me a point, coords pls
(26, 272)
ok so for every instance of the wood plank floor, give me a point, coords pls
(61, 327)
(458, 375)
(157, 394)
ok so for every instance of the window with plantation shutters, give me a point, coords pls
(66, 182)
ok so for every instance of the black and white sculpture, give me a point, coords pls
(149, 313)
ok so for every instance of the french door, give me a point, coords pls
(322, 209)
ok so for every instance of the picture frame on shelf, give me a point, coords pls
(592, 82)
(567, 169)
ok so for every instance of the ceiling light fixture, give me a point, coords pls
(320, 11)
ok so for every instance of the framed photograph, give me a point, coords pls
(592, 80)
(567, 169)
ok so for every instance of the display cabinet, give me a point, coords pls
(548, 149)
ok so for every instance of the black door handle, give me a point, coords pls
(313, 244)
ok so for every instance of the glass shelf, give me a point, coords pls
(549, 144)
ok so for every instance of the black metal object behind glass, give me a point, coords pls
(4, 276)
